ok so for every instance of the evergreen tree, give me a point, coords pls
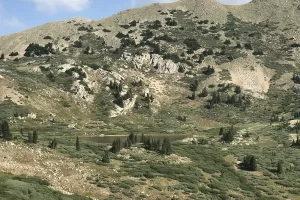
(105, 158)
(142, 138)
(34, 137)
(229, 136)
(7, 135)
(249, 163)
(166, 147)
(53, 144)
(30, 137)
(204, 93)
(116, 146)
(280, 167)
(131, 138)
(2, 56)
(221, 131)
(77, 144)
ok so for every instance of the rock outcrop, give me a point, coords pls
(152, 60)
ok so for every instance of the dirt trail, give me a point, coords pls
(64, 174)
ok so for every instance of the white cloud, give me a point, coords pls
(53, 6)
(135, 3)
(14, 23)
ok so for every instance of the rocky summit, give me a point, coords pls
(224, 78)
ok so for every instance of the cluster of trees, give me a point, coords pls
(235, 99)
(155, 25)
(149, 143)
(118, 88)
(163, 148)
(249, 163)
(171, 22)
(165, 37)
(192, 44)
(209, 70)
(227, 136)
(32, 137)
(117, 144)
(38, 50)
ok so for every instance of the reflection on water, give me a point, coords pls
(111, 138)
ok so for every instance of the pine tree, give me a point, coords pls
(35, 137)
(116, 146)
(249, 163)
(2, 56)
(131, 137)
(77, 144)
(105, 158)
(7, 135)
(221, 131)
(53, 144)
(30, 137)
(166, 147)
(280, 167)
(142, 138)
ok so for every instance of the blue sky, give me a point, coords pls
(18, 15)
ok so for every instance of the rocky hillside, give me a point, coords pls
(150, 68)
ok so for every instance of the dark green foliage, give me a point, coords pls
(47, 37)
(209, 70)
(152, 144)
(237, 90)
(78, 44)
(227, 42)
(143, 139)
(248, 46)
(106, 30)
(229, 135)
(83, 28)
(174, 57)
(105, 158)
(37, 50)
(155, 25)
(194, 86)
(77, 70)
(125, 42)
(2, 56)
(125, 26)
(203, 93)
(77, 144)
(171, 23)
(14, 54)
(132, 138)
(53, 144)
(296, 78)
(249, 163)
(203, 22)
(116, 146)
(122, 35)
(166, 148)
(147, 34)
(133, 23)
(279, 169)
(221, 132)
(5, 129)
(295, 45)
(165, 37)
(30, 137)
(35, 137)
(258, 53)
(192, 44)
